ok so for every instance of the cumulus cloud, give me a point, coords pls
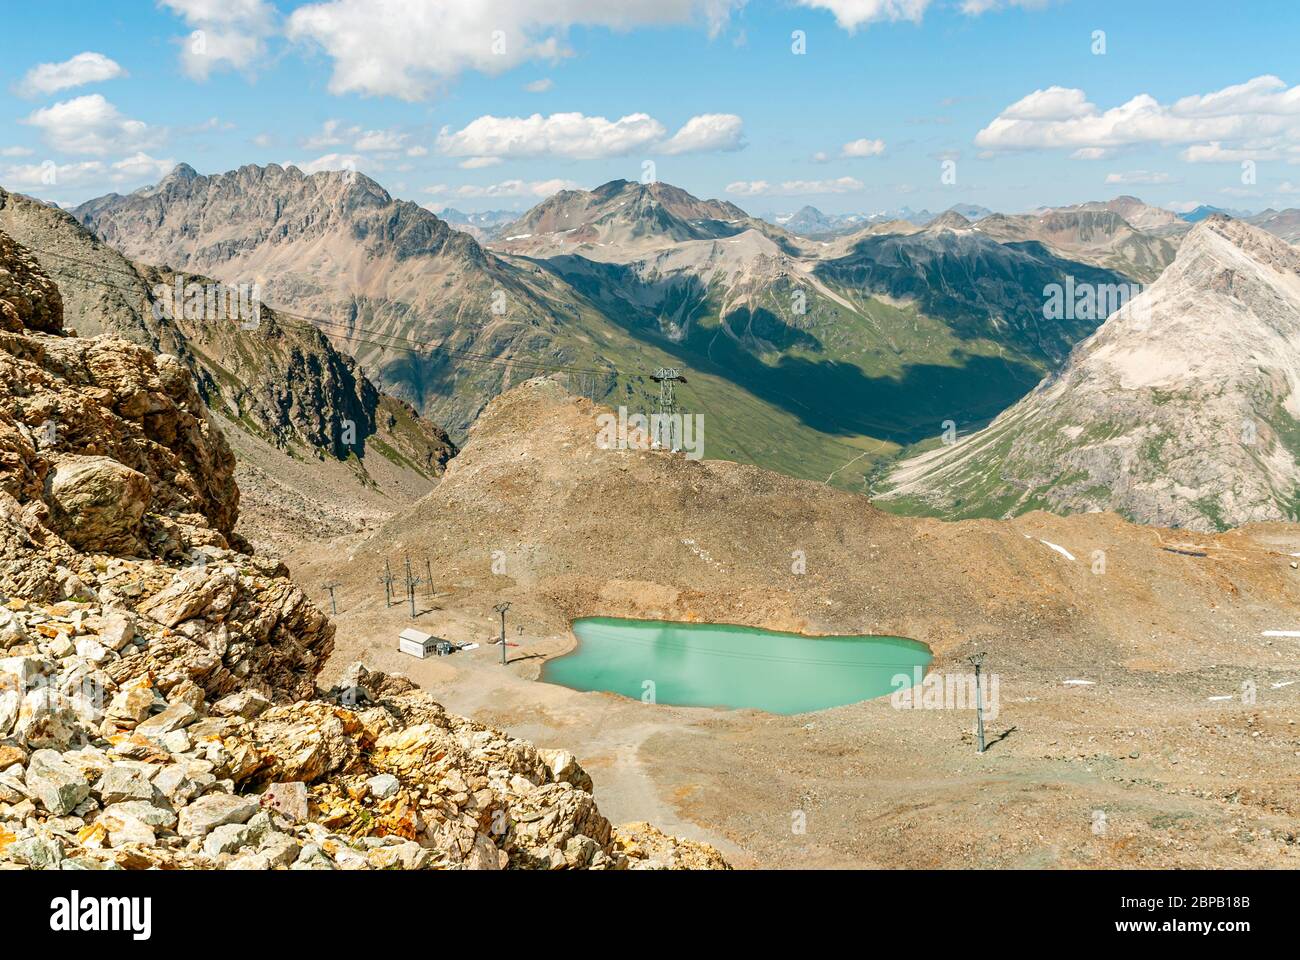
(410, 48)
(1216, 152)
(141, 166)
(335, 133)
(571, 135)
(34, 176)
(707, 132)
(226, 34)
(863, 148)
(91, 125)
(539, 189)
(851, 14)
(580, 137)
(138, 168)
(88, 67)
(380, 141)
(794, 188)
(332, 161)
(1256, 117)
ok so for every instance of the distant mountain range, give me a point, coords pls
(808, 221)
(1182, 410)
(820, 355)
(481, 226)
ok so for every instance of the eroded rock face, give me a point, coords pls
(108, 444)
(28, 298)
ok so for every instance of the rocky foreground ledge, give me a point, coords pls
(158, 698)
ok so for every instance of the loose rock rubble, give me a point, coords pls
(158, 705)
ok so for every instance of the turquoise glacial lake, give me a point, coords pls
(722, 665)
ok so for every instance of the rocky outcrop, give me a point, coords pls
(158, 704)
(28, 298)
(112, 445)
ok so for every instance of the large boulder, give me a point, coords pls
(97, 503)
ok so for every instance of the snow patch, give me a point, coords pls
(1055, 546)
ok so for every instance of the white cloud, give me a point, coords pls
(16, 152)
(540, 86)
(227, 34)
(49, 174)
(973, 8)
(478, 163)
(134, 169)
(851, 14)
(863, 148)
(1216, 152)
(333, 133)
(707, 132)
(91, 125)
(580, 137)
(1260, 115)
(88, 67)
(820, 157)
(539, 189)
(561, 134)
(1054, 103)
(417, 151)
(141, 166)
(380, 141)
(332, 161)
(1139, 176)
(410, 48)
(794, 188)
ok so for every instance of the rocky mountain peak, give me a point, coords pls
(949, 220)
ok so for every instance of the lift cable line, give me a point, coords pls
(752, 657)
(345, 330)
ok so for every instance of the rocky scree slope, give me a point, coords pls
(158, 705)
(1182, 410)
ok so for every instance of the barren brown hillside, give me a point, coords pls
(1166, 628)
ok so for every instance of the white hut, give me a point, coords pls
(416, 642)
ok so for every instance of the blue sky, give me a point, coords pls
(483, 104)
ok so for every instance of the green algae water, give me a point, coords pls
(721, 665)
